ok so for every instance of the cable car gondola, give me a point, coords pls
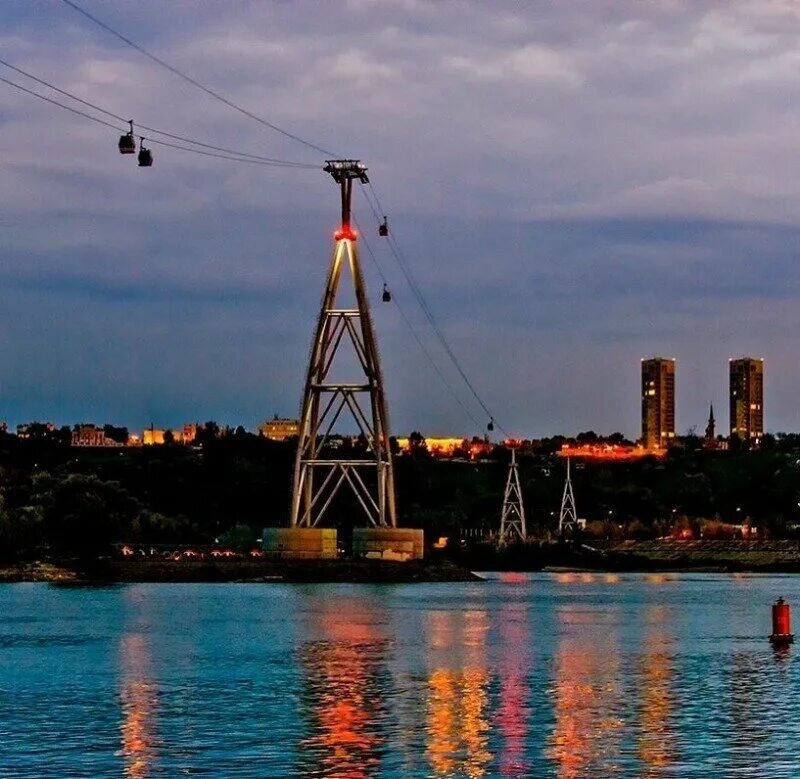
(490, 426)
(127, 143)
(383, 229)
(145, 156)
(387, 296)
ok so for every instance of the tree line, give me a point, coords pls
(66, 501)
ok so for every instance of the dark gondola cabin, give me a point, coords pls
(490, 426)
(387, 296)
(127, 145)
(145, 157)
(383, 229)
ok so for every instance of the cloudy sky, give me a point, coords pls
(576, 185)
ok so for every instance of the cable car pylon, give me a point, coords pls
(318, 477)
(512, 518)
(568, 515)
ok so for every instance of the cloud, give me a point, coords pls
(574, 184)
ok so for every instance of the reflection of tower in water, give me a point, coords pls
(344, 694)
(457, 706)
(138, 698)
(513, 709)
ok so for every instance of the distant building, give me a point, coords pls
(278, 429)
(91, 435)
(438, 447)
(747, 400)
(445, 447)
(153, 436)
(35, 429)
(609, 452)
(189, 433)
(658, 402)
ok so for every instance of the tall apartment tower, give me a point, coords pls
(658, 402)
(747, 399)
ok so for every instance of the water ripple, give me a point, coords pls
(526, 676)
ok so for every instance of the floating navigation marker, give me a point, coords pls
(781, 624)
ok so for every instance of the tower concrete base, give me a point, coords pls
(388, 543)
(299, 543)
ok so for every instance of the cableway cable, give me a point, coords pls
(194, 82)
(231, 157)
(173, 136)
(435, 365)
(393, 245)
(423, 304)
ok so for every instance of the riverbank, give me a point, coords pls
(620, 557)
(661, 555)
(705, 554)
(112, 571)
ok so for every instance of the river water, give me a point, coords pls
(542, 675)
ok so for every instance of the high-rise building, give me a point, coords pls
(747, 399)
(658, 402)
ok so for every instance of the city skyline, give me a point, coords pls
(659, 425)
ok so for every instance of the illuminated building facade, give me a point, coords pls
(658, 402)
(438, 447)
(747, 399)
(153, 436)
(91, 435)
(277, 429)
(607, 452)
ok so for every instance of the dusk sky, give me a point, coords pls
(576, 185)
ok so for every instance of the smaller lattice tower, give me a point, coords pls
(568, 516)
(512, 520)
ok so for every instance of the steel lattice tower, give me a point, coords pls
(319, 477)
(512, 520)
(568, 516)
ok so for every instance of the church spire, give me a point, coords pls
(711, 435)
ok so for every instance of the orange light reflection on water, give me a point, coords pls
(656, 747)
(587, 696)
(457, 728)
(138, 696)
(341, 670)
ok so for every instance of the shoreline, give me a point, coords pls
(662, 556)
(349, 573)
(112, 571)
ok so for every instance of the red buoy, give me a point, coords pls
(781, 623)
